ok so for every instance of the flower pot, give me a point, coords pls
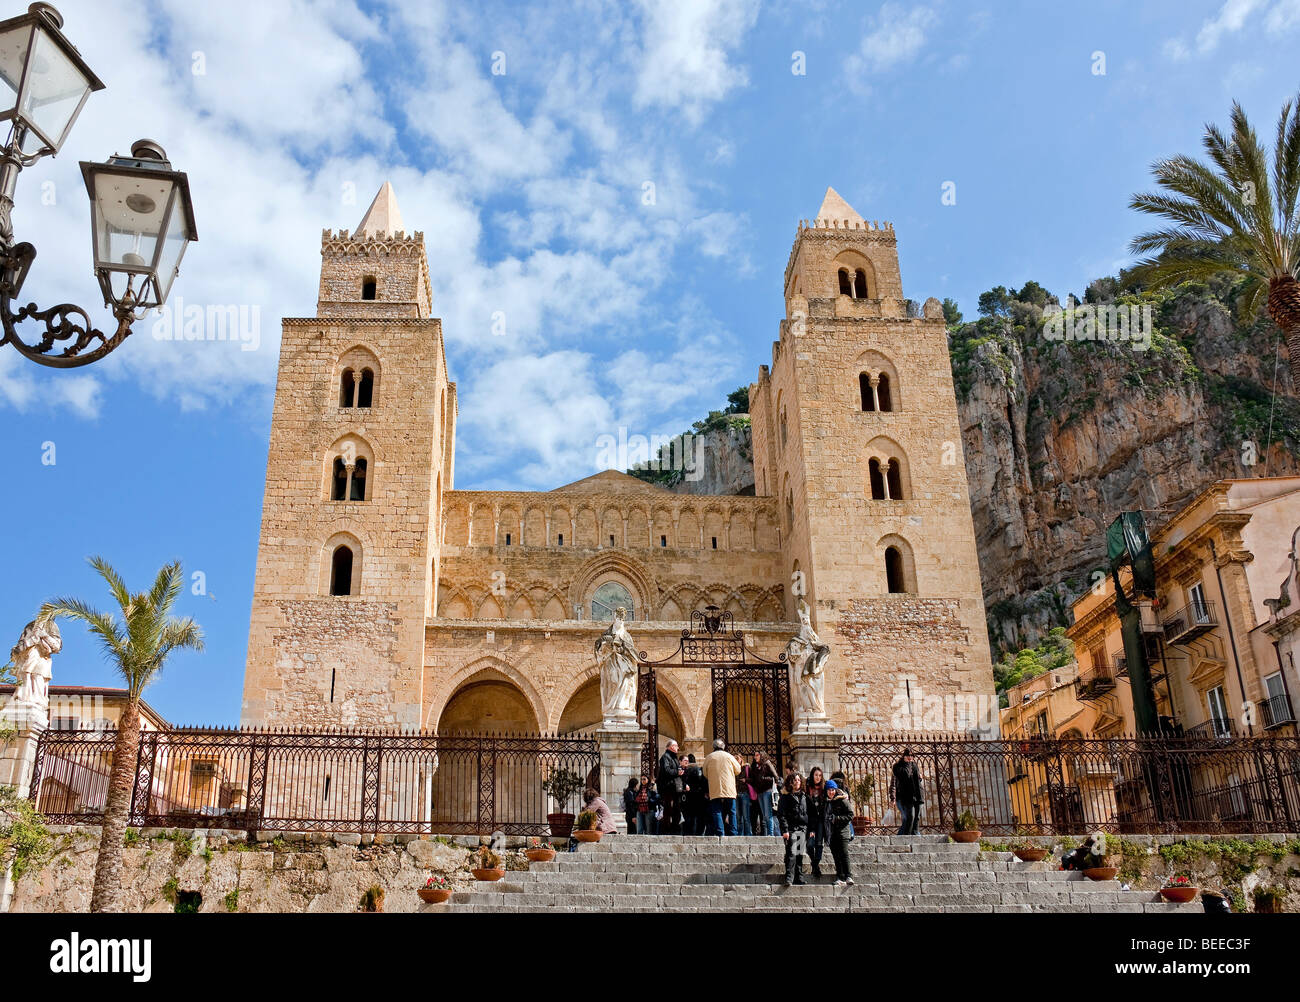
(492, 873)
(592, 835)
(861, 825)
(539, 855)
(434, 895)
(966, 836)
(1031, 854)
(561, 824)
(1178, 895)
(1101, 872)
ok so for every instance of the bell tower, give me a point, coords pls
(360, 453)
(856, 432)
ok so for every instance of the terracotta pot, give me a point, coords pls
(434, 895)
(561, 824)
(1101, 872)
(1178, 895)
(861, 825)
(539, 855)
(1031, 854)
(593, 835)
(966, 836)
(494, 873)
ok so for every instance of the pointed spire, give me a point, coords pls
(835, 208)
(383, 218)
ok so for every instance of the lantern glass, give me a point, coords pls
(14, 44)
(176, 237)
(52, 94)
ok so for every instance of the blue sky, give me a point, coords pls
(530, 187)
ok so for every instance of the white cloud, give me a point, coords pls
(895, 37)
(1230, 19)
(685, 61)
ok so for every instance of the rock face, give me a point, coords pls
(721, 457)
(1059, 437)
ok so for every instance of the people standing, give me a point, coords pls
(905, 792)
(630, 810)
(792, 816)
(744, 802)
(644, 812)
(763, 778)
(819, 828)
(696, 798)
(839, 822)
(721, 770)
(671, 785)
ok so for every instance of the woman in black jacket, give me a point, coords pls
(792, 815)
(839, 821)
(819, 825)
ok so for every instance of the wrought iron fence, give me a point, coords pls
(1071, 785)
(328, 781)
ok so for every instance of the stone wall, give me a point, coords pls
(273, 873)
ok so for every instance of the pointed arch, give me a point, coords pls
(897, 565)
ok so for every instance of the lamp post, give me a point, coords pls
(141, 216)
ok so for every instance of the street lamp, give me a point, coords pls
(141, 216)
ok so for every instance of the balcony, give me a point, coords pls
(1215, 727)
(1276, 712)
(1120, 667)
(1094, 683)
(1190, 622)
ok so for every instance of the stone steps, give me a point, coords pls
(708, 874)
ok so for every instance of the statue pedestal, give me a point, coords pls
(18, 756)
(17, 761)
(620, 760)
(819, 745)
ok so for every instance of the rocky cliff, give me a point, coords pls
(1060, 436)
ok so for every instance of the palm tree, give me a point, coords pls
(1234, 215)
(138, 645)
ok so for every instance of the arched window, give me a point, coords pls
(894, 481)
(894, 571)
(347, 388)
(341, 570)
(864, 391)
(349, 470)
(859, 284)
(608, 597)
(368, 287)
(784, 434)
(846, 283)
(358, 492)
(339, 487)
(882, 392)
(877, 480)
(366, 388)
(789, 512)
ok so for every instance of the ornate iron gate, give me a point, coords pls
(751, 695)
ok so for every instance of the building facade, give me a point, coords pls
(387, 598)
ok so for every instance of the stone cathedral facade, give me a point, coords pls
(386, 597)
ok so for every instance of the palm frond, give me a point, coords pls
(121, 594)
(101, 624)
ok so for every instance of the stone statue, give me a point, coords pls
(618, 673)
(807, 656)
(32, 658)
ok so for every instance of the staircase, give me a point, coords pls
(921, 873)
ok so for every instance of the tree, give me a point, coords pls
(995, 303)
(738, 400)
(951, 314)
(138, 646)
(1232, 215)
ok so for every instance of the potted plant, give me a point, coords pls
(537, 852)
(587, 830)
(1179, 889)
(372, 900)
(860, 791)
(435, 890)
(486, 864)
(561, 785)
(1025, 850)
(1268, 900)
(968, 828)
